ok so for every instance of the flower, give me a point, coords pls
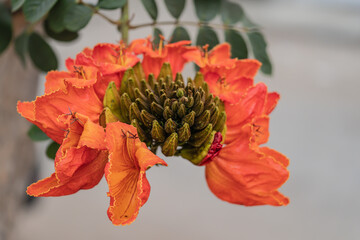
(69, 113)
(129, 158)
(109, 108)
(242, 172)
(79, 162)
(153, 59)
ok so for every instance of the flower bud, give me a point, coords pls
(184, 133)
(157, 132)
(170, 145)
(170, 126)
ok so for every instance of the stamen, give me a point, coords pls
(121, 54)
(162, 38)
(206, 55)
(80, 71)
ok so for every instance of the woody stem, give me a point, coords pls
(125, 23)
(197, 24)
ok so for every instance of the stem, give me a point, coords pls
(125, 23)
(197, 24)
(96, 11)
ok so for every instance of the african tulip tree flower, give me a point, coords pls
(111, 112)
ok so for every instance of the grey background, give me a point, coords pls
(315, 48)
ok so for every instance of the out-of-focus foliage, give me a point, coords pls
(5, 27)
(63, 19)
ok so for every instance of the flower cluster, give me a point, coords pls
(110, 111)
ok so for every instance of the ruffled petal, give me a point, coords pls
(250, 106)
(46, 109)
(271, 102)
(79, 162)
(242, 175)
(86, 177)
(125, 173)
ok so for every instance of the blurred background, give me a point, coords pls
(315, 50)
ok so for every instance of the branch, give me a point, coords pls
(198, 24)
(96, 11)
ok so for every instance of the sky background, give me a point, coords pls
(315, 49)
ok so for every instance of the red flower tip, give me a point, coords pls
(214, 150)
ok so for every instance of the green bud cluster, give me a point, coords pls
(167, 112)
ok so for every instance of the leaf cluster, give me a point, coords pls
(61, 20)
(239, 31)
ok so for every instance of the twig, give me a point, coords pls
(198, 24)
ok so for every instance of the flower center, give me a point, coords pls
(167, 113)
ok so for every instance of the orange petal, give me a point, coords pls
(261, 129)
(276, 155)
(244, 176)
(194, 54)
(271, 102)
(250, 106)
(55, 80)
(220, 53)
(46, 109)
(125, 172)
(85, 177)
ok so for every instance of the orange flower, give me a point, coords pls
(219, 56)
(81, 109)
(79, 162)
(129, 158)
(245, 174)
(111, 60)
(153, 59)
(46, 109)
(242, 172)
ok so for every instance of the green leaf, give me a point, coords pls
(34, 10)
(57, 15)
(51, 150)
(41, 53)
(238, 44)
(151, 8)
(231, 13)
(175, 7)
(248, 23)
(111, 4)
(179, 34)
(157, 33)
(207, 10)
(77, 17)
(36, 134)
(258, 45)
(64, 36)
(16, 4)
(21, 46)
(207, 35)
(5, 27)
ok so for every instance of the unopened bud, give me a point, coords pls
(181, 111)
(170, 145)
(170, 126)
(157, 132)
(167, 113)
(189, 118)
(202, 120)
(156, 109)
(165, 71)
(147, 118)
(184, 133)
(141, 133)
(198, 138)
(199, 79)
(134, 112)
(220, 123)
(198, 109)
